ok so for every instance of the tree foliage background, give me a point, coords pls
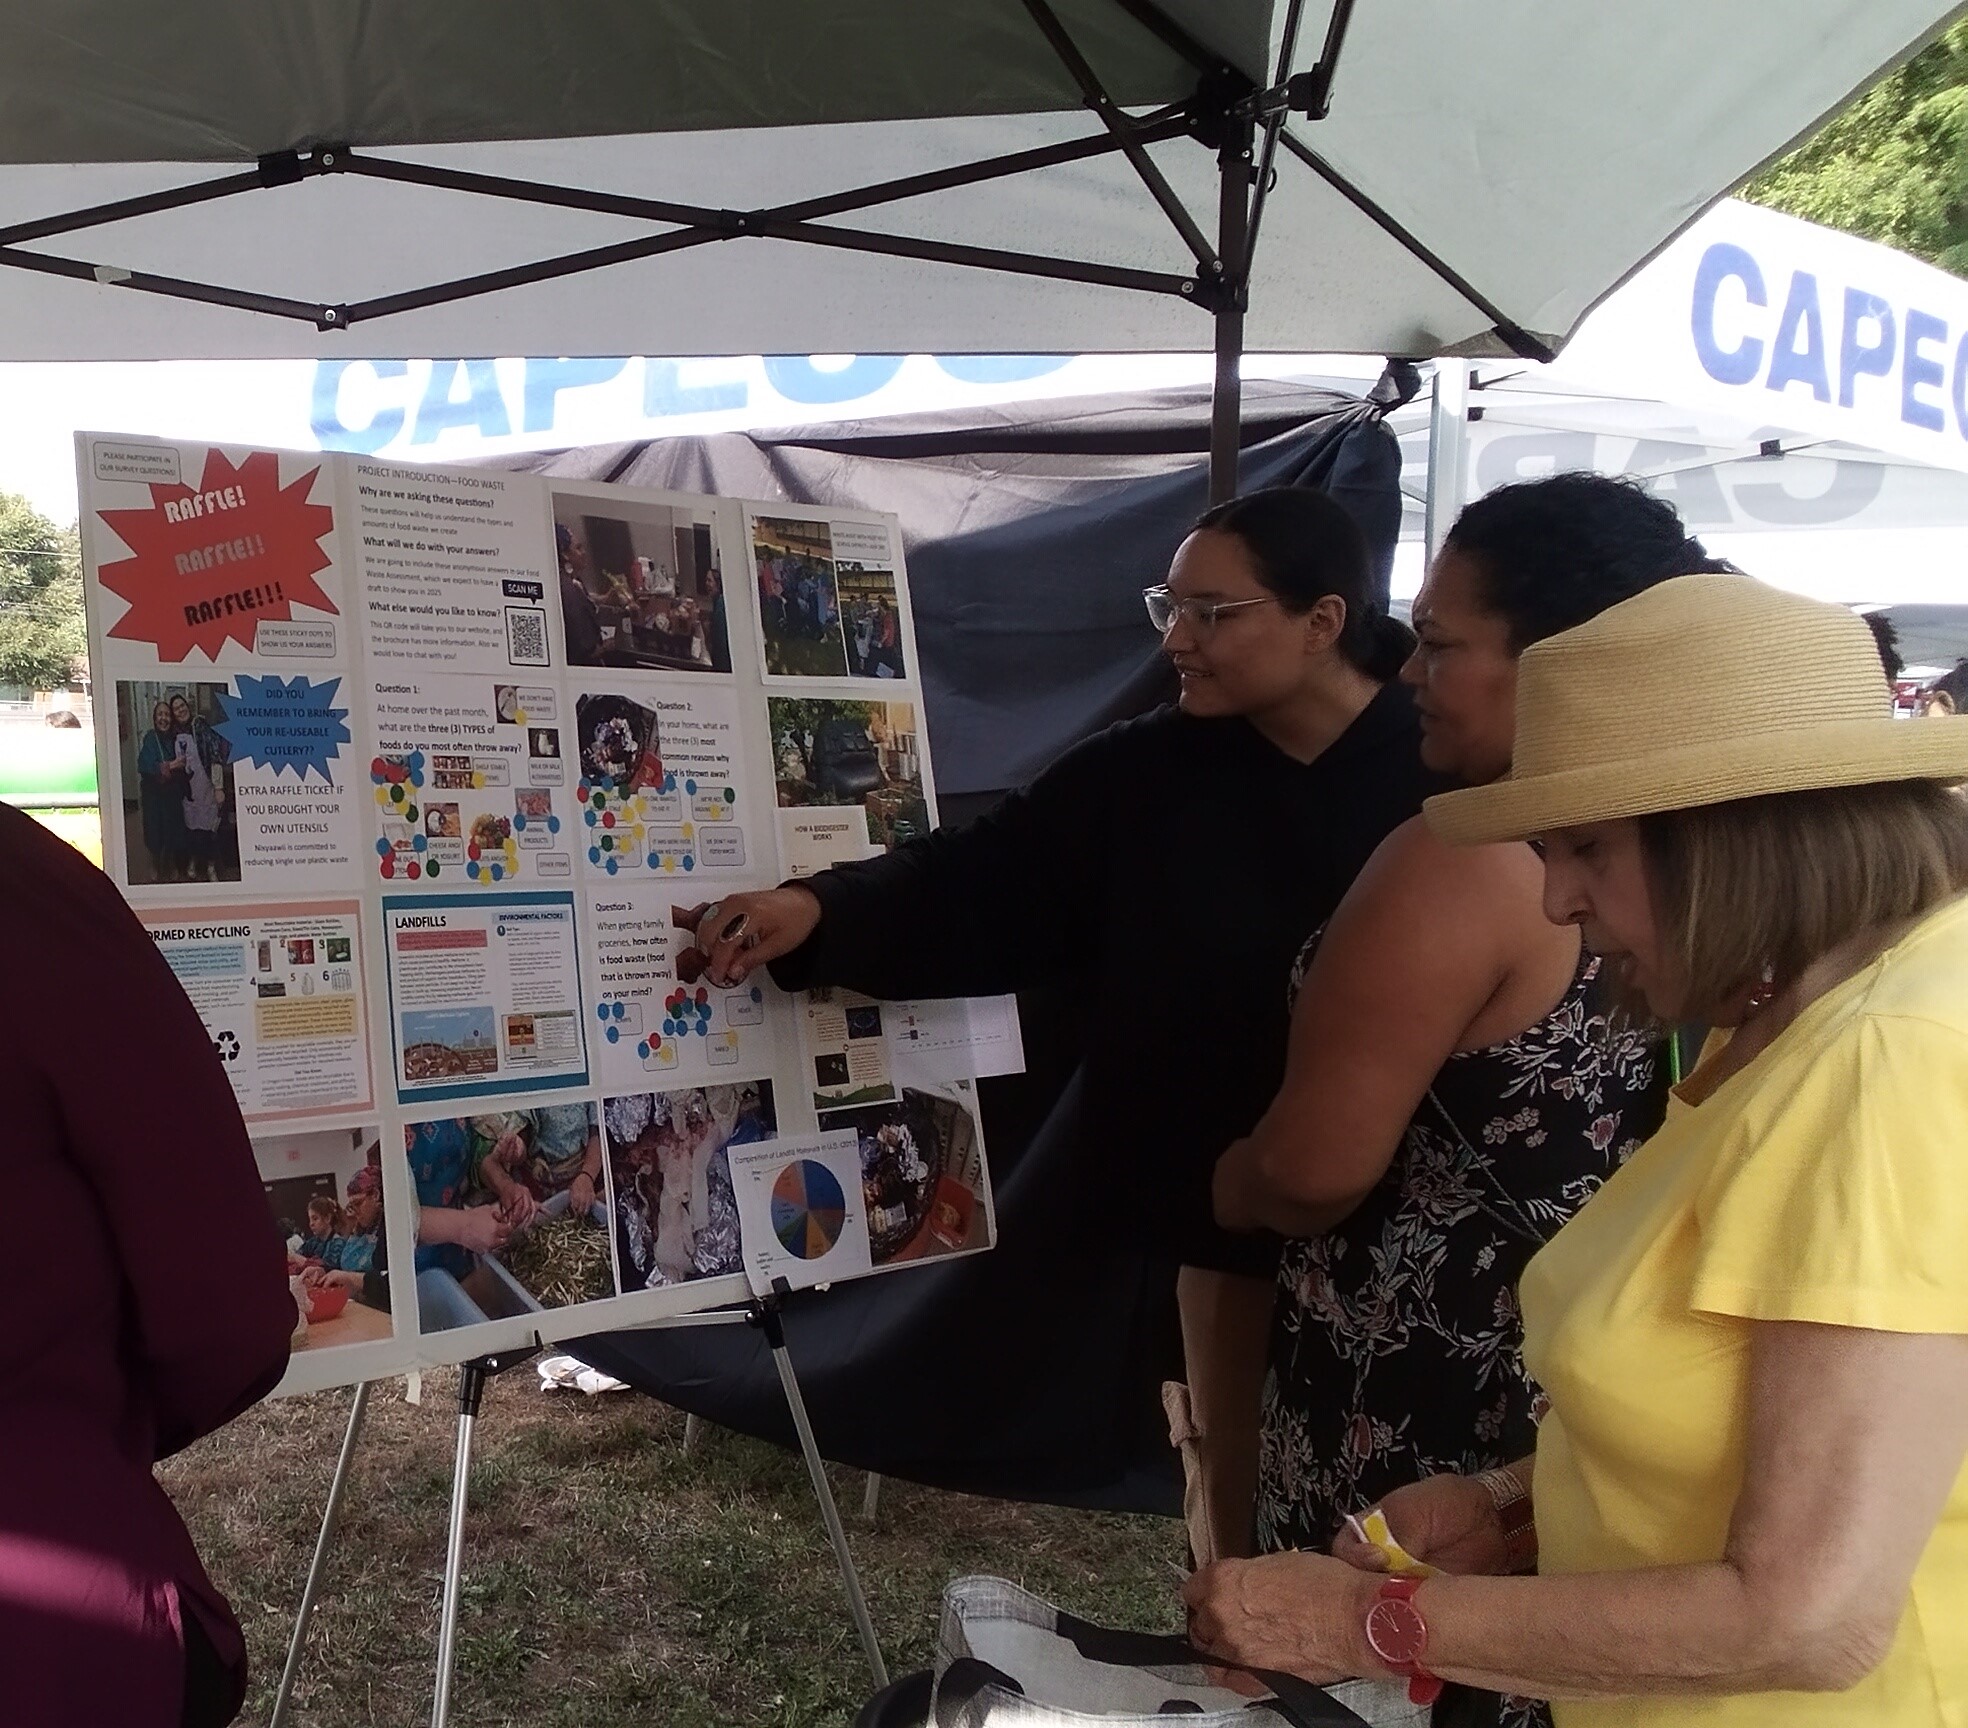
(42, 639)
(1893, 167)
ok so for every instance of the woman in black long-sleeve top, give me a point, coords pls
(1167, 869)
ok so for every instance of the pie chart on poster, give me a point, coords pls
(808, 1209)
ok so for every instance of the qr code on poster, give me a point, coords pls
(526, 636)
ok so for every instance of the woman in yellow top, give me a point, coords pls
(1748, 1506)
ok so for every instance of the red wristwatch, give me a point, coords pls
(1398, 1635)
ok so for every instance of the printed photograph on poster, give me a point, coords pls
(240, 781)
(468, 782)
(660, 788)
(923, 1177)
(655, 1014)
(640, 585)
(669, 1160)
(209, 555)
(871, 619)
(512, 1214)
(179, 818)
(798, 601)
(485, 994)
(801, 1211)
(325, 1188)
(854, 755)
(456, 570)
(845, 1048)
(280, 990)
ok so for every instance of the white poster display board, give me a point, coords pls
(420, 781)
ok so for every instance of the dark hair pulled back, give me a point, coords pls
(1552, 553)
(1303, 546)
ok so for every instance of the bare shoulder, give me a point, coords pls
(1413, 870)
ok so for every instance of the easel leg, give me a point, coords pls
(471, 1389)
(357, 1410)
(766, 1316)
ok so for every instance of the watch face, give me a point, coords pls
(1396, 1632)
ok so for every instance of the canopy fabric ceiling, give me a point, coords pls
(1504, 164)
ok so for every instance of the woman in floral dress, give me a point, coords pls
(1458, 1083)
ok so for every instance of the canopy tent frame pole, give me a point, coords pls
(1223, 115)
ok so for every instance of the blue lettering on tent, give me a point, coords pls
(481, 406)
(545, 379)
(331, 431)
(1919, 372)
(1725, 263)
(999, 368)
(663, 392)
(797, 379)
(1800, 362)
(1861, 359)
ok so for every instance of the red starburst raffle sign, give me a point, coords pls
(209, 562)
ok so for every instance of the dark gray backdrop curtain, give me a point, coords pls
(1031, 1372)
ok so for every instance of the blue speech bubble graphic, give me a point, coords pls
(283, 723)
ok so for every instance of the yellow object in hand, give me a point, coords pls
(1372, 1529)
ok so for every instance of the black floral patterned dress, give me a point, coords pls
(1396, 1342)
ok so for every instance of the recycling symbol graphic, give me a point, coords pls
(227, 1045)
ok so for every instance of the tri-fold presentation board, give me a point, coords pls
(420, 780)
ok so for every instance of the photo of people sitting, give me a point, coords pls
(512, 1214)
(180, 824)
(640, 587)
(325, 1190)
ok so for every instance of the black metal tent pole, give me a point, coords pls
(1223, 114)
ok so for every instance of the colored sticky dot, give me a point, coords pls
(419, 843)
(608, 819)
(690, 863)
(519, 716)
(472, 852)
(581, 792)
(382, 848)
(601, 1010)
(519, 823)
(410, 813)
(471, 869)
(621, 1010)
(642, 1049)
(389, 866)
(758, 995)
(430, 869)
(703, 1028)
(612, 865)
(478, 777)
(498, 870)
(731, 794)
(416, 759)
(614, 1034)
(690, 786)
(396, 794)
(594, 854)
(654, 861)
(375, 768)
(703, 995)
(413, 870)
(589, 817)
(553, 824)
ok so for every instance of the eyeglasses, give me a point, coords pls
(1201, 615)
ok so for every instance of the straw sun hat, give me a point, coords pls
(1697, 691)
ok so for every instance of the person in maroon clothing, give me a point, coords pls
(145, 1305)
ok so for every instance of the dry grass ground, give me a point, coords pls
(611, 1579)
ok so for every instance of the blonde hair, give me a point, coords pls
(1764, 886)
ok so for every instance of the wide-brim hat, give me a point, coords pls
(1697, 691)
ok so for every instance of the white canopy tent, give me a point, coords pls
(678, 176)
